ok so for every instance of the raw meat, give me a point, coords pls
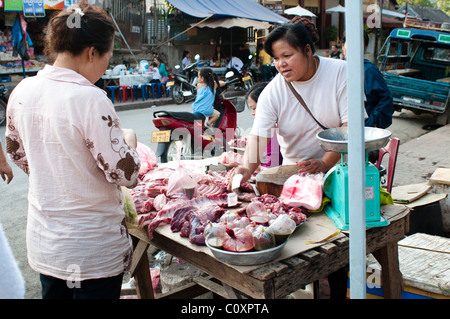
(303, 191)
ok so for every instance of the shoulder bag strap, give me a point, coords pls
(302, 102)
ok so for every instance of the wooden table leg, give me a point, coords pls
(141, 271)
(390, 272)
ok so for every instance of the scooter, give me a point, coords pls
(183, 86)
(198, 141)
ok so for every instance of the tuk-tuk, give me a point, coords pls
(416, 65)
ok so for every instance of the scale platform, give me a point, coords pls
(335, 183)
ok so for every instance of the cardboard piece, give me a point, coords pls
(409, 193)
(441, 176)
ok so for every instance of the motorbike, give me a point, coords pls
(183, 86)
(198, 141)
(3, 103)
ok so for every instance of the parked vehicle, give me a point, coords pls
(183, 86)
(241, 80)
(416, 65)
(197, 140)
(3, 103)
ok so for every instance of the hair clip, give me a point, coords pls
(78, 10)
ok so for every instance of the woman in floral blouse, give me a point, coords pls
(63, 132)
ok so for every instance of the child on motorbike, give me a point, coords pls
(203, 105)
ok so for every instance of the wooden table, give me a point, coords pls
(279, 278)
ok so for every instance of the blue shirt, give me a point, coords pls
(379, 101)
(204, 101)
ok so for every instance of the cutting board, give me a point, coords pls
(271, 180)
(409, 193)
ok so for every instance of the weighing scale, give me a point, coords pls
(335, 183)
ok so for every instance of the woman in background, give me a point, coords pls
(162, 69)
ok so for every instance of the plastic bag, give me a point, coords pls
(282, 228)
(181, 183)
(147, 158)
(303, 191)
(263, 238)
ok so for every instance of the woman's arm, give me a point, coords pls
(254, 151)
(328, 160)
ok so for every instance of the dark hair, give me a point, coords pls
(296, 34)
(185, 52)
(78, 27)
(208, 75)
(255, 91)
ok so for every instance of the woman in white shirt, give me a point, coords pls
(322, 84)
(63, 132)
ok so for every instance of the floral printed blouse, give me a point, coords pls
(64, 133)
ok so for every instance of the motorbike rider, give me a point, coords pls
(186, 59)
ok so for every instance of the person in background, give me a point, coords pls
(378, 98)
(64, 133)
(335, 53)
(12, 285)
(273, 155)
(162, 69)
(218, 105)
(186, 59)
(153, 70)
(218, 55)
(203, 106)
(266, 62)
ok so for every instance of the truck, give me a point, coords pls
(416, 64)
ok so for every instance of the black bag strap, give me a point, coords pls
(302, 102)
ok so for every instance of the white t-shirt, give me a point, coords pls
(235, 63)
(325, 94)
(155, 73)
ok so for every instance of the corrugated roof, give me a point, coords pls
(426, 13)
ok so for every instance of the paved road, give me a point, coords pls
(13, 197)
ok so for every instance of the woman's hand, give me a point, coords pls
(246, 174)
(130, 138)
(312, 166)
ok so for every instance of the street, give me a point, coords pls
(13, 197)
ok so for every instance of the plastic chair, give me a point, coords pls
(113, 88)
(156, 90)
(392, 149)
(124, 89)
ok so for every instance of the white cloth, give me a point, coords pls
(12, 284)
(325, 94)
(65, 133)
(235, 63)
(185, 62)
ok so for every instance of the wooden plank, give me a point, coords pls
(390, 272)
(212, 286)
(139, 250)
(142, 278)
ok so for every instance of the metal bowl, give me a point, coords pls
(247, 258)
(336, 139)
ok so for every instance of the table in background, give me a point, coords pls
(131, 79)
(275, 279)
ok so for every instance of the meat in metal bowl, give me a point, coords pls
(246, 258)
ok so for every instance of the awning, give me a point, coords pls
(233, 22)
(248, 9)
